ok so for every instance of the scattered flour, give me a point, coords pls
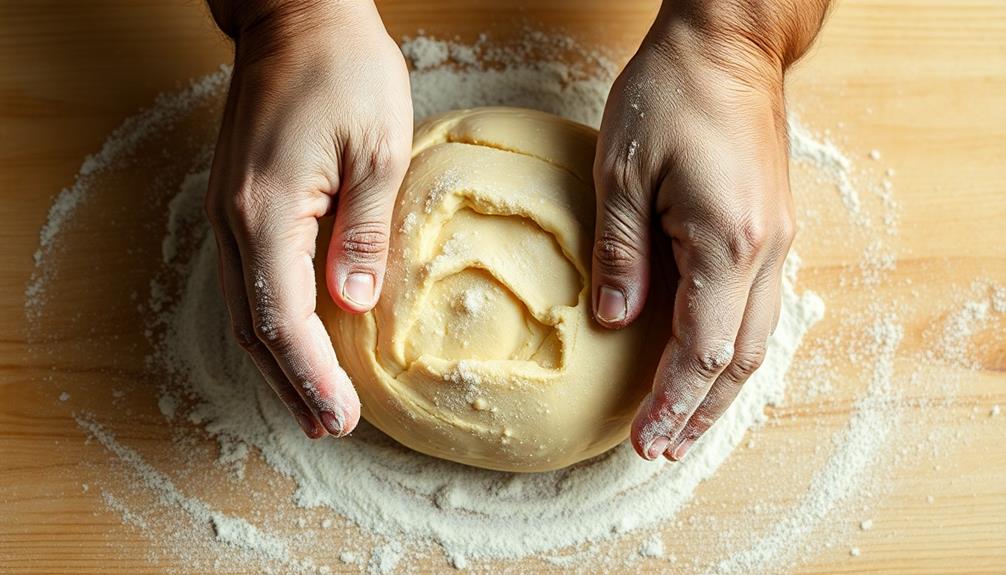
(411, 503)
(230, 530)
(393, 492)
(166, 109)
(652, 547)
(833, 165)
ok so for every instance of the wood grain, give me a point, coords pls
(921, 81)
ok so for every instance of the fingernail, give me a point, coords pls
(678, 453)
(656, 448)
(610, 305)
(359, 288)
(307, 424)
(332, 423)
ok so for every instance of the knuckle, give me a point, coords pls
(615, 255)
(365, 242)
(786, 231)
(624, 191)
(710, 360)
(747, 240)
(249, 203)
(243, 209)
(746, 361)
(700, 422)
(387, 153)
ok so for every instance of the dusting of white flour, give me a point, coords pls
(408, 497)
(411, 504)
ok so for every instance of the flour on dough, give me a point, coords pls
(482, 348)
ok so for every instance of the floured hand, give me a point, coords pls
(694, 138)
(318, 120)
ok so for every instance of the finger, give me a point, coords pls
(709, 305)
(233, 287)
(358, 252)
(276, 250)
(232, 282)
(749, 352)
(620, 274)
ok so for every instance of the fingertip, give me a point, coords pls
(308, 425)
(334, 424)
(341, 414)
(647, 440)
(656, 448)
(354, 269)
(353, 290)
(340, 422)
(610, 307)
(679, 450)
(614, 307)
(620, 266)
(359, 289)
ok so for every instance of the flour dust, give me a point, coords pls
(405, 505)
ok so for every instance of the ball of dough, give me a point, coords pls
(482, 348)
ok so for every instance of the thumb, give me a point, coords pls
(358, 252)
(621, 270)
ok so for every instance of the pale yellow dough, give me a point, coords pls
(482, 348)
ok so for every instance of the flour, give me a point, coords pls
(230, 530)
(410, 504)
(652, 547)
(833, 164)
(491, 515)
(857, 446)
(115, 150)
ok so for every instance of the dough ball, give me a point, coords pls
(482, 348)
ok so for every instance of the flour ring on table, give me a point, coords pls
(405, 500)
(483, 349)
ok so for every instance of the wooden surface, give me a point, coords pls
(923, 81)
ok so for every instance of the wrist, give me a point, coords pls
(750, 36)
(292, 30)
(239, 18)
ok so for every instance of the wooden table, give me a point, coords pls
(923, 81)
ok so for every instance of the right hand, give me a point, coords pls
(318, 120)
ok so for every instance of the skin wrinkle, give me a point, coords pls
(364, 241)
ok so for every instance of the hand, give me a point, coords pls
(318, 119)
(694, 134)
